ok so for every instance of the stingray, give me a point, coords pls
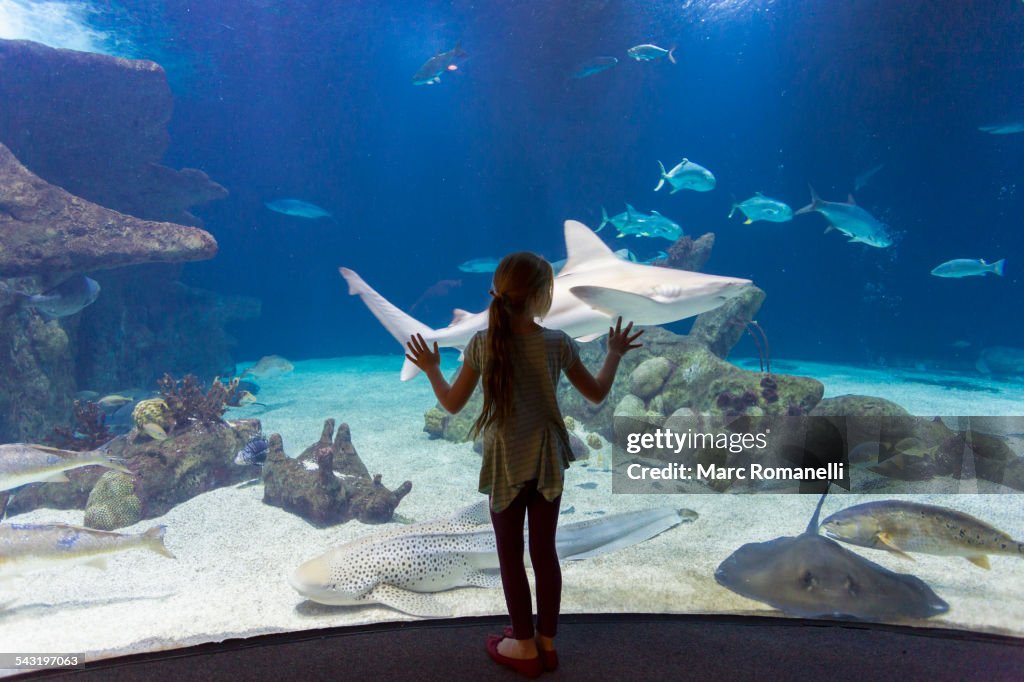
(811, 576)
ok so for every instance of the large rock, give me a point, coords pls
(97, 126)
(49, 230)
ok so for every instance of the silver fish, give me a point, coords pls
(686, 175)
(32, 547)
(648, 52)
(968, 267)
(851, 220)
(760, 207)
(21, 464)
(430, 72)
(638, 224)
(1003, 128)
(268, 367)
(480, 265)
(595, 65)
(864, 178)
(1003, 360)
(297, 208)
(67, 298)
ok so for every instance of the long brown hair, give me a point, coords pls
(523, 283)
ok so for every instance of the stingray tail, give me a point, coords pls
(812, 527)
(400, 325)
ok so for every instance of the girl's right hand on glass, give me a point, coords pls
(420, 355)
(620, 341)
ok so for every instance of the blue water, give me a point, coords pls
(314, 100)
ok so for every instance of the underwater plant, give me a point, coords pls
(88, 432)
(188, 403)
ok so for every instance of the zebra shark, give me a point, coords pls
(401, 566)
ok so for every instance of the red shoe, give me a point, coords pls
(548, 659)
(530, 667)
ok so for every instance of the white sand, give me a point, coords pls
(233, 551)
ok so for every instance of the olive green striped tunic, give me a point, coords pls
(534, 444)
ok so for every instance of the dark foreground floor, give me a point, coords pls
(591, 648)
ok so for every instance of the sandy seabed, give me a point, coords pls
(234, 552)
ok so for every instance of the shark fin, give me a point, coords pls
(583, 248)
(614, 302)
(458, 315)
(401, 325)
(406, 601)
(476, 514)
(58, 477)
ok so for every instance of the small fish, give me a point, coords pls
(1004, 128)
(155, 431)
(22, 463)
(430, 72)
(254, 452)
(113, 401)
(297, 208)
(589, 485)
(864, 178)
(687, 175)
(480, 265)
(595, 65)
(32, 547)
(438, 289)
(269, 366)
(851, 220)
(968, 267)
(648, 52)
(760, 207)
(633, 222)
(67, 298)
(900, 527)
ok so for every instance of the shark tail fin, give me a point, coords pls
(399, 324)
(661, 181)
(998, 266)
(813, 206)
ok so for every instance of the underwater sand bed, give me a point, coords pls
(233, 551)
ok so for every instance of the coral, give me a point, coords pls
(152, 411)
(434, 422)
(113, 502)
(328, 483)
(769, 389)
(594, 441)
(187, 403)
(570, 423)
(89, 431)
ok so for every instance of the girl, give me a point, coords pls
(526, 446)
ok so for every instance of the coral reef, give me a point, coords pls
(88, 432)
(594, 441)
(687, 253)
(187, 403)
(722, 328)
(328, 483)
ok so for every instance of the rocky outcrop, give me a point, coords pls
(49, 230)
(328, 483)
(97, 126)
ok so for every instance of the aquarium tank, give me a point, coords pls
(221, 222)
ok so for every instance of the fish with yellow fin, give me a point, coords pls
(900, 527)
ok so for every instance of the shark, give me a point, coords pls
(401, 567)
(592, 289)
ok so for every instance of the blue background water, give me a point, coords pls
(314, 100)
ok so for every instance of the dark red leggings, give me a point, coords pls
(508, 531)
